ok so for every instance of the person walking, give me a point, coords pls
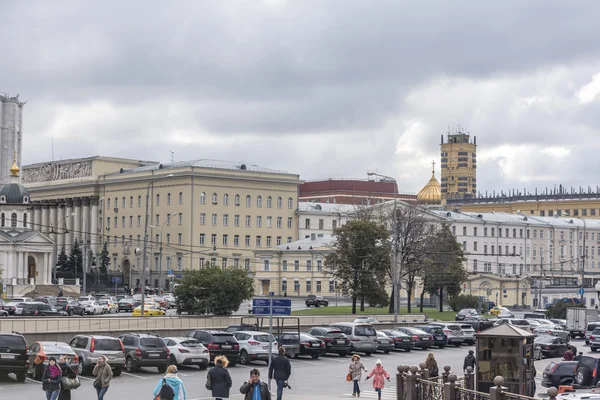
(432, 366)
(568, 356)
(103, 375)
(379, 373)
(173, 381)
(280, 370)
(51, 379)
(67, 371)
(355, 370)
(470, 361)
(218, 380)
(254, 388)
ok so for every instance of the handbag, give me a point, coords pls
(70, 383)
(208, 382)
(97, 383)
(349, 377)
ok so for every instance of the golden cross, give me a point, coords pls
(433, 166)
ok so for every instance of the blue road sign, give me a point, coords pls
(261, 302)
(282, 302)
(280, 306)
(170, 272)
(271, 294)
(276, 310)
(581, 291)
(116, 279)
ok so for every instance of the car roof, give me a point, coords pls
(181, 338)
(251, 332)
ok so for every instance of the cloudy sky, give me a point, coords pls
(319, 88)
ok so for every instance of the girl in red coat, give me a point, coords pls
(378, 382)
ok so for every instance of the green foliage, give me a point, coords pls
(558, 310)
(63, 259)
(75, 262)
(459, 302)
(378, 297)
(104, 259)
(213, 290)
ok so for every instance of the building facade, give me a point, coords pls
(199, 212)
(352, 191)
(459, 165)
(11, 127)
(322, 219)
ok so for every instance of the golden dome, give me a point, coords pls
(14, 170)
(431, 194)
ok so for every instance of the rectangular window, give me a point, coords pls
(258, 240)
(247, 241)
(289, 239)
(116, 222)
(278, 241)
(202, 218)
(319, 265)
(485, 249)
(108, 222)
(202, 239)
(248, 220)
(307, 223)
(157, 219)
(284, 265)
(139, 220)
(318, 286)
(308, 265)
(493, 249)
(308, 286)
(484, 231)
(284, 286)
(179, 238)
(213, 239)
(266, 265)
(131, 221)
(334, 224)
(268, 241)
(296, 265)
(169, 219)
(258, 221)
(493, 232)
(464, 245)
(157, 238)
(474, 246)
(225, 240)
(269, 222)
(214, 219)
(236, 220)
(168, 238)
(236, 263)
(225, 219)
(279, 222)
(224, 263)
(464, 231)
(321, 224)
(236, 240)
(331, 286)
(289, 224)
(475, 231)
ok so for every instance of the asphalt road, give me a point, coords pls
(322, 378)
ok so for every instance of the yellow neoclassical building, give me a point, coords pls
(198, 211)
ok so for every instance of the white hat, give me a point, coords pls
(378, 362)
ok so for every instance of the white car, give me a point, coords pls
(366, 320)
(255, 346)
(187, 351)
(19, 307)
(92, 307)
(108, 306)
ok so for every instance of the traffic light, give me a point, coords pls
(214, 249)
(489, 292)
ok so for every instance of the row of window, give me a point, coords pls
(214, 200)
(13, 220)
(308, 265)
(528, 233)
(584, 212)
(334, 224)
(123, 240)
(214, 220)
(520, 269)
(284, 286)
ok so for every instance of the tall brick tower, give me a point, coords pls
(459, 165)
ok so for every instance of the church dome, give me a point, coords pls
(431, 194)
(14, 192)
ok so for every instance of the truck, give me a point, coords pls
(578, 319)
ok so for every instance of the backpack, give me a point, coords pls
(166, 391)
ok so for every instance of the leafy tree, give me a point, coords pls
(213, 290)
(360, 260)
(104, 259)
(75, 261)
(558, 309)
(457, 303)
(63, 259)
(444, 268)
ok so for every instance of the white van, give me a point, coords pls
(363, 337)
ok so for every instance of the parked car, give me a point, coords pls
(587, 371)
(561, 322)
(19, 299)
(559, 373)
(439, 336)
(290, 341)
(452, 331)
(40, 352)
(71, 307)
(468, 334)
(108, 306)
(465, 312)
(366, 320)
(218, 343)
(126, 305)
(501, 312)
(19, 307)
(421, 338)
(363, 337)
(255, 346)
(242, 327)
(552, 346)
(89, 347)
(7, 308)
(519, 323)
(46, 299)
(335, 340)
(40, 310)
(552, 330)
(402, 341)
(384, 343)
(13, 355)
(310, 346)
(316, 301)
(145, 350)
(478, 324)
(150, 310)
(187, 351)
(589, 329)
(92, 307)
(594, 340)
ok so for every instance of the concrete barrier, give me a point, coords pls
(64, 328)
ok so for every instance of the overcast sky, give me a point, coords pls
(318, 88)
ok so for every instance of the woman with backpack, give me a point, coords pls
(170, 385)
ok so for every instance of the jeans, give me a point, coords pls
(101, 392)
(52, 395)
(279, 389)
(356, 387)
(378, 393)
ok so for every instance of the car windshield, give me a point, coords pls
(191, 343)
(519, 322)
(262, 338)
(544, 339)
(152, 342)
(596, 331)
(364, 330)
(12, 342)
(57, 348)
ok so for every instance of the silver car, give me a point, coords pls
(187, 351)
(89, 347)
(255, 346)
(552, 330)
(453, 332)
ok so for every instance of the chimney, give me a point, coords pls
(313, 236)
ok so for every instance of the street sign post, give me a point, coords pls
(581, 291)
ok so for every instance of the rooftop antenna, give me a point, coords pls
(52, 148)
(172, 156)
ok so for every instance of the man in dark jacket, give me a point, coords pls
(254, 387)
(469, 361)
(280, 369)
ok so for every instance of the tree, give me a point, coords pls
(558, 309)
(213, 290)
(104, 259)
(457, 303)
(75, 261)
(63, 259)
(444, 268)
(360, 260)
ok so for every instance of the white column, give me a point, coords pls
(85, 222)
(53, 221)
(9, 267)
(60, 228)
(77, 222)
(18, 262)
(69, 222)
(38, 218)
(44, 270)
(25, 256)
(94, 234)
(45, 224)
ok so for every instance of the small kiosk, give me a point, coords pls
(506, 351)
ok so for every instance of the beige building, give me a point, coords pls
(198, 211)
(459, 165)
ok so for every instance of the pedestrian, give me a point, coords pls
(285, 294)
(470, 361)
(568, 356)
(355, 370)
(432, 366)
(280, 370)
(173, 381)
(298, 291)
(379, 373)
(67, 371)
(60, 294)
(218, 380)
(103, 375)
(578, 356)
(254, 388)
(51, 379)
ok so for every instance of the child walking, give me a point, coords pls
(379, 373)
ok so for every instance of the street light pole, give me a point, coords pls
(583, 256)
(160, 249)
(85, 255)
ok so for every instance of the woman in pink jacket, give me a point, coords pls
(378, 382)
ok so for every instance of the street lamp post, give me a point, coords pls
(85, 255)
(160, 249)
(55, 255)
(583, 256)
(396, 274)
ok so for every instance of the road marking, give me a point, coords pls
(86, 378)
(135, 376)
(33, 380)
(211, 398)
(386, 393)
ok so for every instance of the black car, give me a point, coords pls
(439, 337)
(335, 340)
(384, 343)
(46, 299)
(316, 301)
(402, 341)
(126, 305)
(7, 308)
(13, 355)
(310, 346)
(559, 373)
(290, 341)
(552, 346)
(40, 310)
(478, 323)
(145, 350)
(587, 371)
(70, 307)
(242, 327)
(462, 314)
(421, 338)
(218, 343)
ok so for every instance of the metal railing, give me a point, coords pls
(513, 396)
(466, 394)
(429, 390)
(69, 281)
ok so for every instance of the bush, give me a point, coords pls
(558, 310)
(457, 303)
